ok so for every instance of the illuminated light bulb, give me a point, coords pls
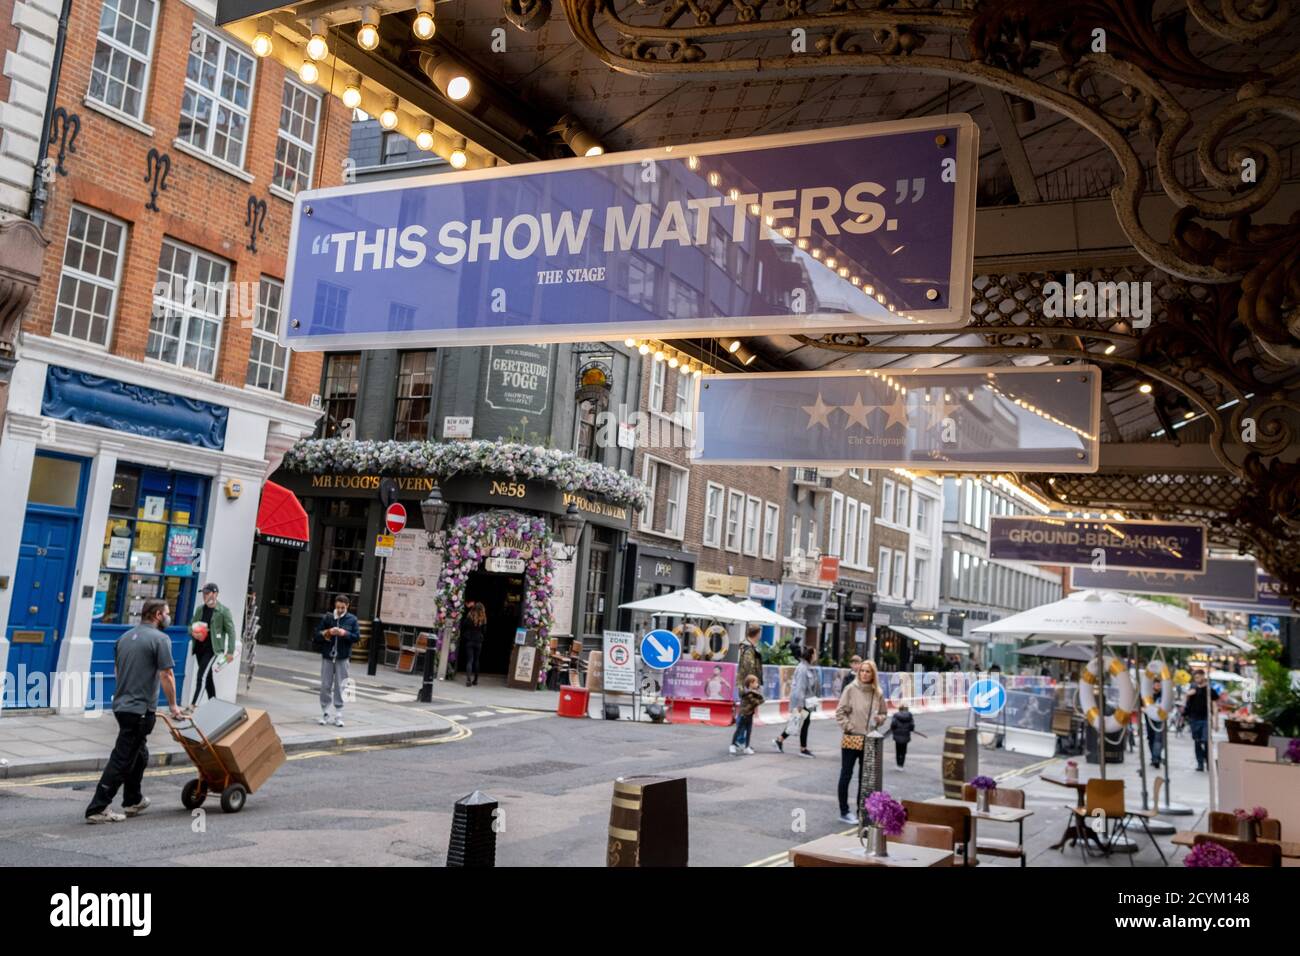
(1145, 388)
(844, 272)
(768, 221)
(643, 348)
(352, 92)
(753, 209)
(1110, 349)
(262, 45)
(733, 346)
(692, 162)
(788, 232)
(659, 355)
(388, 116)
(458, 157)
(459, 86)
(830, 263)
(630, 343)
(698, 372)
(423, 26)
(733, 193)
(673, 361)
(309, 73)
(869, 289)
(856, 281)
(802, 243)
(817, 253)
(368, 34)
(317, 48)
(424, 138)
(1188, 416)
(596, 150)
(686, 368)
(714, 179)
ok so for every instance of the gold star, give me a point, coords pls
(819, 412)
(858, 412)
(897, 412)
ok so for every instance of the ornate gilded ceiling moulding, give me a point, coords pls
(1122, 93)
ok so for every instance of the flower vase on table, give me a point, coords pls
(882, 816)
(1071, 771)
(983, 786)
(1248, 822)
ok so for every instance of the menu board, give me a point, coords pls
(411, 581)
(562, 587)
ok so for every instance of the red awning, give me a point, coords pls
(281, 519)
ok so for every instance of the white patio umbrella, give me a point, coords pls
(750, 614)
(683, 603)
(1099, 617)
(773, 618)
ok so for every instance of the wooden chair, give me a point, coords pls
(392, 647)
(958, 819)
(924, 834)
(410, 654)
(1008, 849)
(1145, 816)
(1248, 854)
(1106, 797)
(1225, 824)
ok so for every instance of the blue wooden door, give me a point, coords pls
(39, 610)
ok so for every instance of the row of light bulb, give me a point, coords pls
(422, 27)
(675, 359)
(714, 179)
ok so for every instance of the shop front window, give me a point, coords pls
(342, 553)
(152, 543)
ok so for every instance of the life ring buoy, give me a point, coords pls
(706, 645)
(1157, 712)
(1118, 674)
(691, 639)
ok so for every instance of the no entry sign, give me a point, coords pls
(395, 517)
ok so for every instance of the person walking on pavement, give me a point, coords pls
(471, 639)
(862, 709)
(142, 662)
(335, 634)
(212, 629)
(748, 660)
(1155, 728)
(854, 663)
(751, 698)
(803, 691)
(901, 726)
(1197, 710)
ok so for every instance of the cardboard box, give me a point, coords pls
(244, 743)
(256, 773)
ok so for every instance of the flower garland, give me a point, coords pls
(474, 538)
(441, 460)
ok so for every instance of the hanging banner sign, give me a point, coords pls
(1269, 599)
(1226, 579)
(862, 227)
(1045, 418)
(1122, 545)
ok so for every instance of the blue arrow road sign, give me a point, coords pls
(661, 649)
(987, 697)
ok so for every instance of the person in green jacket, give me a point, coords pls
(212, 630)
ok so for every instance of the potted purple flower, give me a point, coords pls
(1293, 750)
(1210, 854)
(1248, 822)
(882, 816)
(983, 785)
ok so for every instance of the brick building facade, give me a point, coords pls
(151, 398)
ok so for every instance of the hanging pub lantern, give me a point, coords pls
(595, 379)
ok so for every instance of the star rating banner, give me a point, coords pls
(1044, 418)
(1113, 545)
(1226, 579)
(862, 227)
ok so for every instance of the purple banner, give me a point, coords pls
(700, 680)
(1122, 545)
(861, 227)
(1045, 418)
(1226, 579)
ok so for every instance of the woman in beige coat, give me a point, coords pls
(862, 709)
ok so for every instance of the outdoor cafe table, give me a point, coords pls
(840, 850)
(1072, 828)
(995, 813)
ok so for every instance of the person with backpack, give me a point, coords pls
(901, 727)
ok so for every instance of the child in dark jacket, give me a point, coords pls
(750, 700)
(902, 725)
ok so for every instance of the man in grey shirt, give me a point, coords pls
(143, 661)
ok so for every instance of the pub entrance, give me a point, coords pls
(502, 596)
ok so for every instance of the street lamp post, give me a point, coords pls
(434, 509)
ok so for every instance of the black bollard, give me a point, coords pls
(425, 695)
(473, 837)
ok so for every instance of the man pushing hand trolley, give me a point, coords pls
(234, 749)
